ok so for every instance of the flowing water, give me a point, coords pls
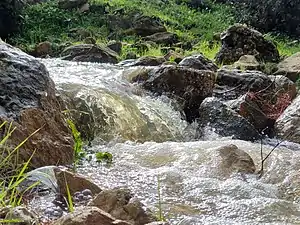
(152, 146)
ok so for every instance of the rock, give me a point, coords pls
(43, 49)
(288, 124)
(189, 85)
(75, 182)
(10, 11)
(247, 62)
(148, 61)
(84, 8)
(88, 216)
(173, 56)
(284, 85)
(231, 84)
(199, 62)
(89, 40)
(234, 159)
(290, 67)
(71, 4)
(121, 204)
(163, 38)
(145, 26)
(28, 98)
(22, 214)
(116, 46)
(240, 40)
(224, 121)
(89, 53)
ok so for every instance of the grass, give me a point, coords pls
(12, 172)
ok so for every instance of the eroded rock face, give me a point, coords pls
(121, 204)
(89, 216)
(213, 113)
(89, 53)
(199, 62)
(240, 40)
(234, 159)
(290, 67)
(183, 83)
(28, 98)
(288, 124)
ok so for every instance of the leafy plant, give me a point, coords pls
(104, 157)
(78, 152)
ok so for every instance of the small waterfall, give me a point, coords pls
(148, 139)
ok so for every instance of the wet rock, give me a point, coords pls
(121, 204)
(89, 53)
(76, 183)
(88, 216)
(148, 61)
(240, 40)
(231, 84)
(71, 4)
(290, 67)
(22, 214)
(199, 62)
(234, 159)
(116, 46)
(247, 62)
(28, 98)
(145, 26)
(163, 38)
(187, 84)
(43, 49)
(288, 124)
(284, 85)
(213, 113)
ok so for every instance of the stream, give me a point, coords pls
(152, 146)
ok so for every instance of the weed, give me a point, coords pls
(104, 157)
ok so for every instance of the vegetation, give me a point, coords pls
(12, 172)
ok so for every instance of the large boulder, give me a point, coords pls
(163, 38)
(190, 85)
(290, 67)
(145, 26)
(28, 99)
(288, 124)
(213, 113)
(241, 40)
(88, 216)
(90, 53)
(199, 62)
(145, 61)
(121, 204)
(232, 83)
